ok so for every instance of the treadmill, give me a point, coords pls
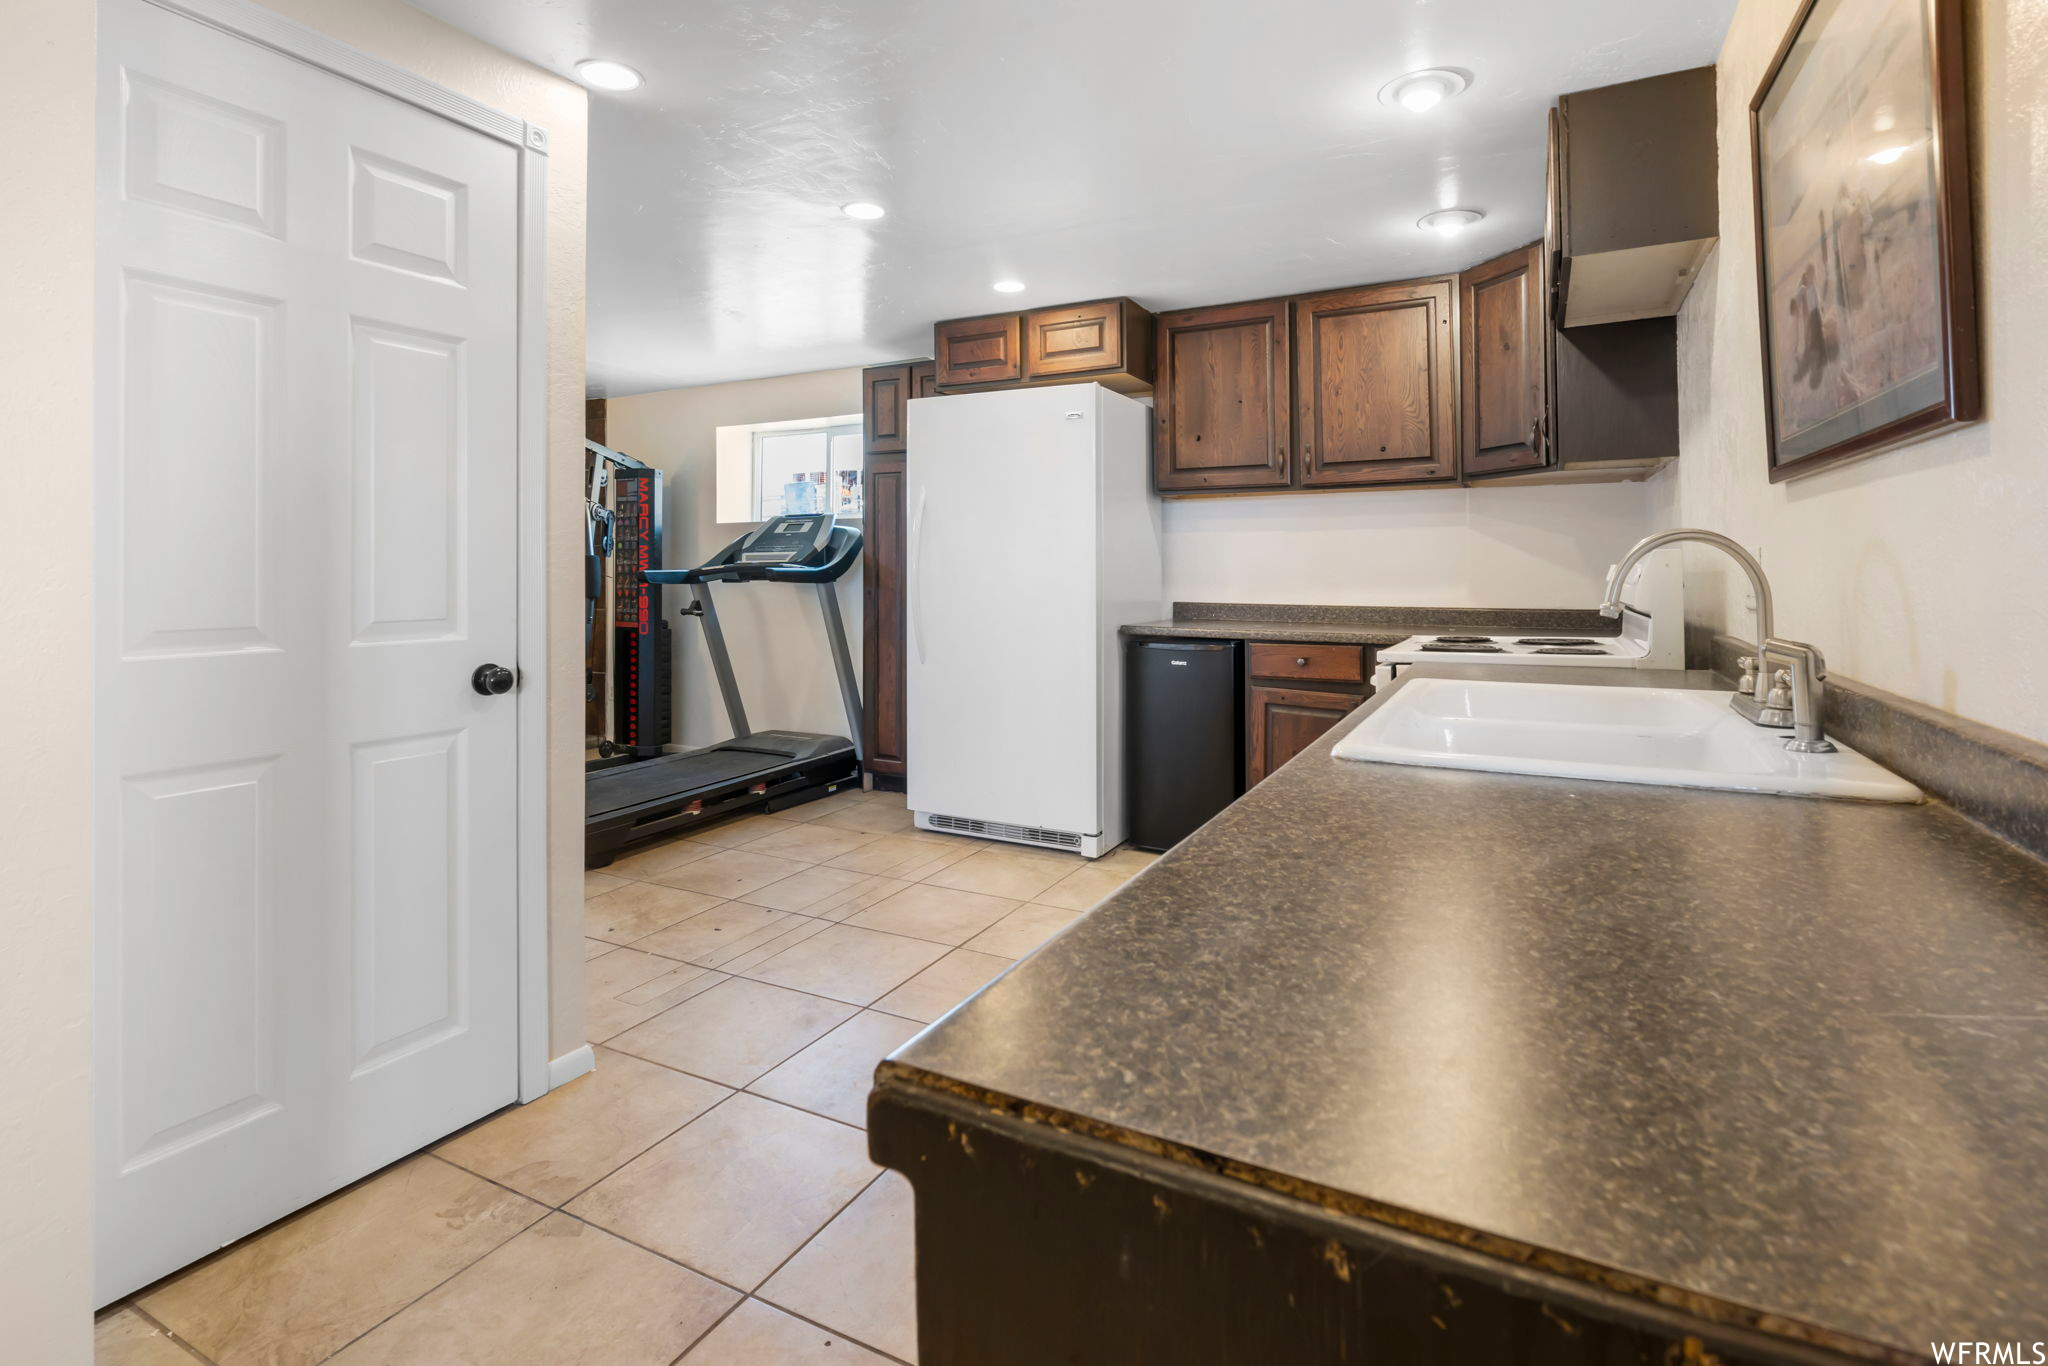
(768, 770)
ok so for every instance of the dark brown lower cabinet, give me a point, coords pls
(889, 389)
(1036, 1245)
(1285, 721)
(882, 623)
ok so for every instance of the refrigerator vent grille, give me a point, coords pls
(1022, 834)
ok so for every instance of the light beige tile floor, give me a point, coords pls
(736, 1192)
(757, 1334)
(125, 1338)
(940, 914)
(650, 1212)
(563, 1293)
(943, 985)
(859, 1272)
(832, 1076)
(308, 1287)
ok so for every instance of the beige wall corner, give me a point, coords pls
(403, 36)
(45, 717)
(1919, 569)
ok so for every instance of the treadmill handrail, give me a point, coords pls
(842, 551)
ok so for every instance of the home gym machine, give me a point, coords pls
(768, 770)
(628, 673)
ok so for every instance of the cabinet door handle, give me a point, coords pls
(1301, 662)
(1535, 433)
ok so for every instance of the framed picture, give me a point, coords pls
(1864, 274)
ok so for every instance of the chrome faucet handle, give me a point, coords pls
(1780, 695)
(1804, 682)
(1747, 683)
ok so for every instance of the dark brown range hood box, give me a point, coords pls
(1635, 199)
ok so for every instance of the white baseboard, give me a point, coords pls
(571, 1065)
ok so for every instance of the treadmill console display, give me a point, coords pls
(786, 540)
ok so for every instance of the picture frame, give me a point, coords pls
(1866, 280)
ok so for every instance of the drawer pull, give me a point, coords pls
(1301, 661)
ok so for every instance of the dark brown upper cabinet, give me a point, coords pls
(1375, 398)
(976, 353)
(1504, 381)
(1542, 404)
(924, 379)
(1614, 400)
(885, 392)
(1108, 342)
(1635, 193)
(1224, 401)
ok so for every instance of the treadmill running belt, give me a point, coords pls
(672, 774)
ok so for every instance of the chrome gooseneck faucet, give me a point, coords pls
(1791, 697)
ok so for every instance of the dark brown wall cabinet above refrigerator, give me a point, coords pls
(1224, 406)
(1375, 398)
(979, 352)
(1106, 342)
(1634, 196)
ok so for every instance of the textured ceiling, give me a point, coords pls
(1179, 151)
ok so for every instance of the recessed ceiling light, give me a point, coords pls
(1008, 286)
(862, 209)
(602, 75)
(1449, 222)
(1419, 91)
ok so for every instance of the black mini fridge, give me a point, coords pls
(1185, 729)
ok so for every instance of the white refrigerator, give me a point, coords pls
(1032, 535)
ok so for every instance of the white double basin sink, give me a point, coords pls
(1672, 737)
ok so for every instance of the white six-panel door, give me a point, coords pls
(305, 899)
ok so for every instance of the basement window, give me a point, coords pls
(769, 469)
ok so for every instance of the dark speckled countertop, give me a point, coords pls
(1294, 633)
(1306, 625)
(1783, 1058)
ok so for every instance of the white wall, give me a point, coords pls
(774, 631)
(1510, 547)
(403, 36)
(1922, 570)
(45, 720)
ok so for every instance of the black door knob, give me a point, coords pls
(493, 680)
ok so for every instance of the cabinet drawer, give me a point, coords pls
(1324, 663)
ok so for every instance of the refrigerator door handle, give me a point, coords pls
(916, 560)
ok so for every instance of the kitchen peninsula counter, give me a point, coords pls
(1391, 1063)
